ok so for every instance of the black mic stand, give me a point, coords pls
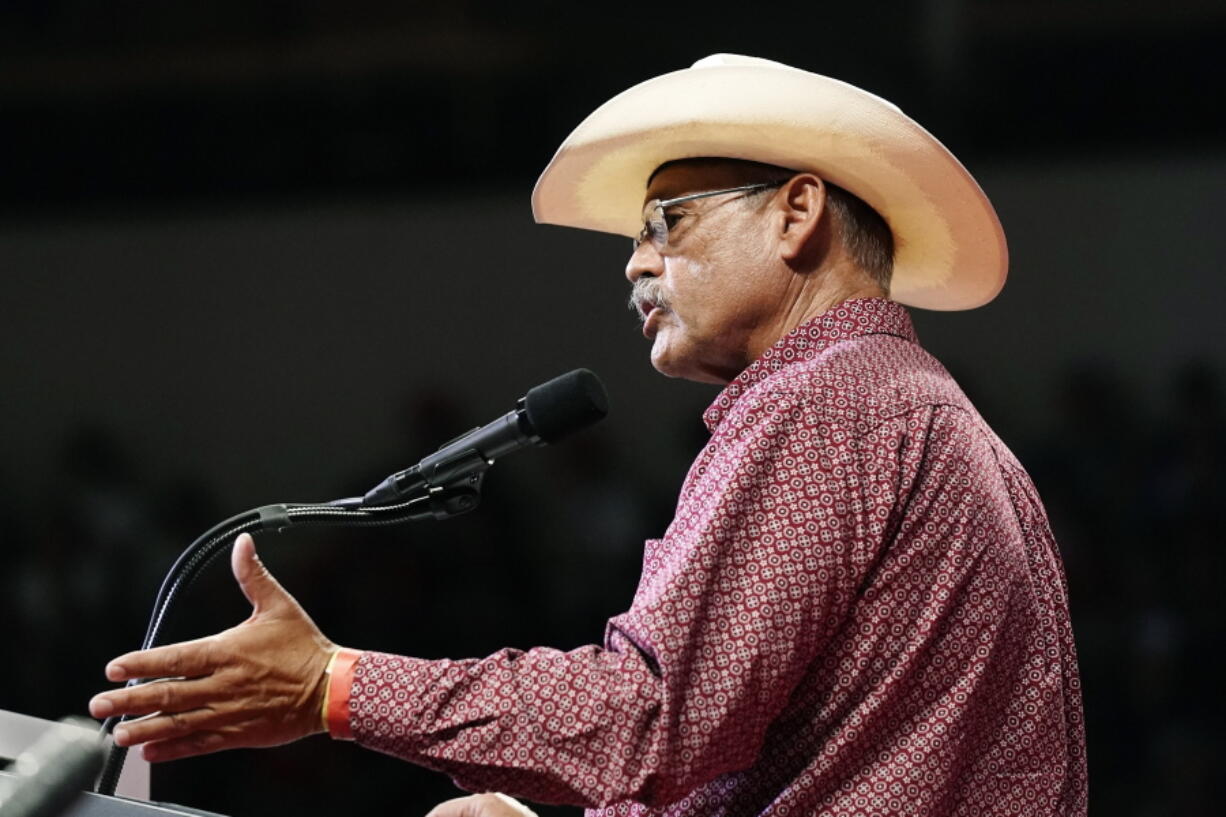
(444, 502)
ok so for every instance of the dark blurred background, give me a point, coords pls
(257, 252)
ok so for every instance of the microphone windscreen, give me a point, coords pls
(565, 404)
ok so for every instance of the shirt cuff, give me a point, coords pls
(336, 694)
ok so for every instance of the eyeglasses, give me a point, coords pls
(656, 222)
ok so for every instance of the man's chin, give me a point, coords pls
(666, 360)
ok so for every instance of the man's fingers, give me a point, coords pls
(156, 696)
(169, 726)
(458, 807)
(257, 584)
(189, 659)
(200, 743)
(482, 805)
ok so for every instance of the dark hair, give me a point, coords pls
(865, 234)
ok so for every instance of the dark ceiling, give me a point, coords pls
(144, 102)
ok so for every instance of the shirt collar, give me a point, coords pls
(847, 320)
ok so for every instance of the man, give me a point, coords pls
(858, 608)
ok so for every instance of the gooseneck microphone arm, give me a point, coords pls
(444, 484)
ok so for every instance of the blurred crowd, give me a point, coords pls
(1132, 496)
(1131, 489)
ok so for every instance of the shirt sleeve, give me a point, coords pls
(776, 525)
(556, 727)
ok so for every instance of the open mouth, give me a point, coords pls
(647, 299)
(650, 313)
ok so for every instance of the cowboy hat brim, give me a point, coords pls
(949, 248)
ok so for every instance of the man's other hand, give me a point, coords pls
(482, 805)
(258, 684)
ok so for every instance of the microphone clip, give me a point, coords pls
(459, 472)
(457, 499)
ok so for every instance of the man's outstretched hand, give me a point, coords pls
(258, 684)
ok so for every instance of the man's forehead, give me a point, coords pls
(676, 180)
(685, 176)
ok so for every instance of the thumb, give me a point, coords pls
(257, 584)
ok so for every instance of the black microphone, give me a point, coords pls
(546, 414)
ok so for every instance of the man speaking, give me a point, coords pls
(858, 608)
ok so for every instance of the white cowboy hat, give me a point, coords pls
(949, 248)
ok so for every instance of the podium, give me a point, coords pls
(18, 732)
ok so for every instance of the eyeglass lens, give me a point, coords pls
(655, 227)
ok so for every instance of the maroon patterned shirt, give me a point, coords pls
(858, 609)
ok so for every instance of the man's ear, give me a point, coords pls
(802, 203)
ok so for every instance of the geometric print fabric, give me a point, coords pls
(858, 609)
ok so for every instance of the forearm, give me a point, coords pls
(577, 727)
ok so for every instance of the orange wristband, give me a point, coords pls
(336, 693)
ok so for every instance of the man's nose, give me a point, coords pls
(645, 260)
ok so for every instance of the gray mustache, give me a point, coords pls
(648, 290)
